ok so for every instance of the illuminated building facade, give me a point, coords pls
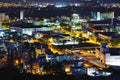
(109, 56)
(3, 17)
(77, 22)
(21, 15)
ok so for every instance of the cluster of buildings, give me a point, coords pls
(61, 40)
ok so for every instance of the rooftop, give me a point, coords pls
(98, 27)
(106, 21)
(114, 51)
(26, 25)
(114, 35)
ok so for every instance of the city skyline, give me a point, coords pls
(58, 0)
(60, 39)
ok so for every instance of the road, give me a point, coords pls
(94, 62)
(89, 57)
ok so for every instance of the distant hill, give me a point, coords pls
(66, 1)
